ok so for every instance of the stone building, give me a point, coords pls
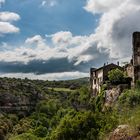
(99, 76)
(133, 68)
(136, 56)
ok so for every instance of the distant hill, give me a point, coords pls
(80, 81)
(72, 84)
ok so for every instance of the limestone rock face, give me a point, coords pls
(18, 96)
(112, 94)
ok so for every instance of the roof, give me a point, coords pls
(106, 66)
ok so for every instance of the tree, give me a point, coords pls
(76, 125)
(116, 76)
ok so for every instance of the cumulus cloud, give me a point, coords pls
(9, 16)
(36, 40)
(76, 49)
(62, 38)
(118, 21)
(101, 6)
(6, 26)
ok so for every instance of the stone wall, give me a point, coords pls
(136, 55)
(113, 92)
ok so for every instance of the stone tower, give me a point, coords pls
(136, 56)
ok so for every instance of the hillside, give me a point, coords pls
(71, 84)
(35, 110)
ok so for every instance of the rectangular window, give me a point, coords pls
(94, 81)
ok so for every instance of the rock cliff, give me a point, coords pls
(18, 96)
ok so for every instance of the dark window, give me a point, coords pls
(94, 81)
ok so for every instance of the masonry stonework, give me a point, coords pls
(136, 56)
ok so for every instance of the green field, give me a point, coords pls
(61, 89)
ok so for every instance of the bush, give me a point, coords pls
(40, 131)
(116, 76)
(138, 84)
(13, 118)
(76, 125)
(25, 136)
(129, 98)
(38, 119)
(49, 107)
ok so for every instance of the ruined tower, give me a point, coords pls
(136, 56)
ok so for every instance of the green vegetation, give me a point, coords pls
(71, 114)
(60, 89)
(116, 76)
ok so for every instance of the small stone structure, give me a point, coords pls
(133, 68)
(99, 76)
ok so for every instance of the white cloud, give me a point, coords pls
(62, 38)
(36, 40)
(64, 45)
(101, 6)
(6, 27)
(9, 16)
(48, 76)
(84, 58)
(118, 21)
(43, 3)
(49, 3)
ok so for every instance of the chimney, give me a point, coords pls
(118, 63)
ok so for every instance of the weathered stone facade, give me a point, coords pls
(136, 56)
(133, 68)
(99, 76)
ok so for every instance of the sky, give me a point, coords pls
(62, 39)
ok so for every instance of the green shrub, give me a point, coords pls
(84, 95)
(40, 131)
(129, 98)
(22, 126)
(116, 76)
(138, 84)
(25, 136)
(38, 119)
(97, 103)
(76, 126)
(13, 118)
(49, 107)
